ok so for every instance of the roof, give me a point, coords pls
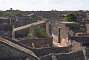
(7, 51)
(17, 46)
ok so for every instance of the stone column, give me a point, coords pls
(13, 33)
(48, 28)
(59, 35)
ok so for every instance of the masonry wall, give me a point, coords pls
(37, 43)
(63, 32)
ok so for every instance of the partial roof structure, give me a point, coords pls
(18, 47)
(7, 52)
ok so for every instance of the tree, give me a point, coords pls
(74, 27)
(70, 18)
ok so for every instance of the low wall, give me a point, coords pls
(37, 43)
(45, 51)
(66, 56)
(82, 40)
(41, 43)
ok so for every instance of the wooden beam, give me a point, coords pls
(28, 25)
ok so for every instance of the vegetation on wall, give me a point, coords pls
(34, 18)
(38, 32)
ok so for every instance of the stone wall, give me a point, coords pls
(66, 56)
(37, 43)
(83, 40)
(63, 33)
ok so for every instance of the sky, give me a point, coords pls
(45, 5)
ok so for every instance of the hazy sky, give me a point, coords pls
(45, 4)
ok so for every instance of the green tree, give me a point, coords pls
(70, 18)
